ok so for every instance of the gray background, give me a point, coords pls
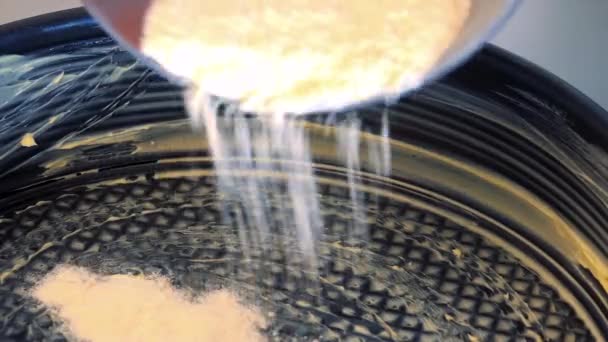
(567, 37)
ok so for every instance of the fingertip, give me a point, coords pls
(122, 19)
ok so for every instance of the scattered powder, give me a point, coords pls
(131, 308)
(28, 140)
(473, 338)
(295, 56)
(457, 252)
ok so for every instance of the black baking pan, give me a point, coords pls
(495, 213)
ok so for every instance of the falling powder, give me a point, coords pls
(134, 308)
(281, 57)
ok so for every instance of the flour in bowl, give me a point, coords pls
(295, 56)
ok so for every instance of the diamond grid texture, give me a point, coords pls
(421, 277)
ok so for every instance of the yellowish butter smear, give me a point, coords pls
(28, 140)
(295, 56)
(130, 308)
